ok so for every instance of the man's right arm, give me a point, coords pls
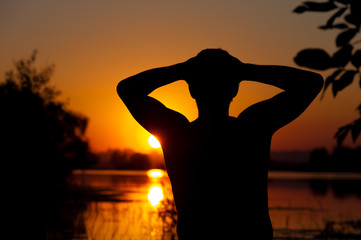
(147, 111)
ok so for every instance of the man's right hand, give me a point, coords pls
(214, 66)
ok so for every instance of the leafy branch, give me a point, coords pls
(346, 61)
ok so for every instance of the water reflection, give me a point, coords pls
(155, 173)
(339, 188)
(155, 194)
(139, 205)
(161, 198)
(156, 191)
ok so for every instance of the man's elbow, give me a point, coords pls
(316, 83)
(121, 90)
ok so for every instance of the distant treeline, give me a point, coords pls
(126, 160)
(341, 159)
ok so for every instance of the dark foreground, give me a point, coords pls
(126, 205)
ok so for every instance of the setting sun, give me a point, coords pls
(153, 142)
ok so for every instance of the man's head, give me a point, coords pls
(213, 76)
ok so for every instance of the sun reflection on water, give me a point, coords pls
(155, 194)
(155, 173)
(156, 191)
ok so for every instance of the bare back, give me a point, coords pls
(219, 177)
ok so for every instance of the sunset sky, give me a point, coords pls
(94, 44)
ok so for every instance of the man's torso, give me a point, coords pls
(219, 172)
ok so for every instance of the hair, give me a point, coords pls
(217, 80)
(216, 55)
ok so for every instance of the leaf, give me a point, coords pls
(345, 80)
(340, 26)
(314, 58)
(345, 2)
(320, 6)
(356, 129)
(342, 133)
(324, 27)
(342, 56)
(356, 59)
(330, 22)
(330, 79)
(345, 37)
(300, 9)
(356, 12)
(350, 18)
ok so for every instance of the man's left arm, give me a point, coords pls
(299, 89)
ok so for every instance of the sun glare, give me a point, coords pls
(153, 142)
(155, 173)
(155, 195)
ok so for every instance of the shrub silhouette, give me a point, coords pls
(38, 132)
(41, 143)
(346, 61)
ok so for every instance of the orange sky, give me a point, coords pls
(94, 44)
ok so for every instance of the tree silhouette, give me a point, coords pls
(41, 142)
(38, 133)
(346, 61)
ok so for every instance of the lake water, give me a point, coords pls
(138, 205)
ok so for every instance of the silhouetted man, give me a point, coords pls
(218, 164)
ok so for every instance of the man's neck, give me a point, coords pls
(213, 112)
(213, 116)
